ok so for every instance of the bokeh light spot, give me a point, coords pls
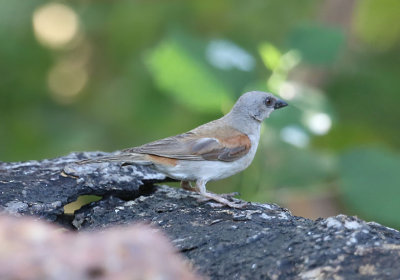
(270, 55)
(66, 79)
(288, 91)
(295, 136)
(55, 25)
(319, 123)
(226, 55)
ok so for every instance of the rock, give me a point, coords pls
(42, 188)
(261, 241)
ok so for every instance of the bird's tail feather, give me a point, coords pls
(125, 159)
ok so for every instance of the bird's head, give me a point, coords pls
(257, 105)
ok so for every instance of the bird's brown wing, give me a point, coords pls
(202, 143)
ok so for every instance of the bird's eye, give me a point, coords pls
(269, 102)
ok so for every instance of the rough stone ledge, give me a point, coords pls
(261, 241)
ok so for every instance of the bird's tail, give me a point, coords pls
(124, 159)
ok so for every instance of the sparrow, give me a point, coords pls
(212, 151)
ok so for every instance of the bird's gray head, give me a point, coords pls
(257, 105)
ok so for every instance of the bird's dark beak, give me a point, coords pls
(279, 104)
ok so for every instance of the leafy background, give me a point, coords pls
(106, 75)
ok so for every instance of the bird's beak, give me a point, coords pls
(279, 104)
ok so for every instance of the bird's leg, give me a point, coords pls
(187, 186)
(201, 187)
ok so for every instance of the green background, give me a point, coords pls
(136, 71)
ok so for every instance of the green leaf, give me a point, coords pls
(184, 76)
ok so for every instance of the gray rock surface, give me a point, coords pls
(261, 241)
(42, 188)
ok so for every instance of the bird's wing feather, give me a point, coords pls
(203, 143)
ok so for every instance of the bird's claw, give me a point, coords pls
(237, 205)
(223, 201)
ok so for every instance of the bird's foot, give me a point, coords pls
(220, 199)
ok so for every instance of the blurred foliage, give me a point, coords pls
(318, 44)
(377, 23)
(178, 69)
(100, 75)
(368, 182)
